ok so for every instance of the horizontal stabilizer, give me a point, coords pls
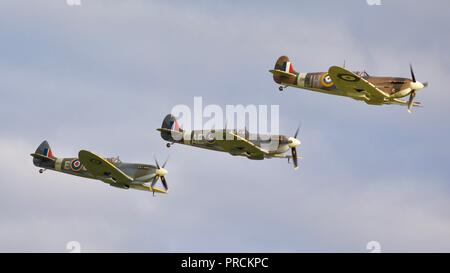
(42, 157)
(171, 135)
(277, 72)
(169, 131)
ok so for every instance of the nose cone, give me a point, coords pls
(161, 172)
(416, 85)
(293, 142)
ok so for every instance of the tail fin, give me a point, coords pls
(169, 128)
(284, 64)
(45, 150)
(43, 155)
(283, 70)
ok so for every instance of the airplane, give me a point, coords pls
(234, 142)
(356, 85)
(111, 171)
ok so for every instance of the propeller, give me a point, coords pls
(160, 173)
(293, 143)
(415, 86)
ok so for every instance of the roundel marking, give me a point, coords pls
(210, 138)
(75, 165)
(326, 80)
(348, 77)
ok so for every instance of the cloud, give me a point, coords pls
(310, 211)
(102, 77)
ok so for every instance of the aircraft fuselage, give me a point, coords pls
(321, 82)
(217, 140)
(141, 173)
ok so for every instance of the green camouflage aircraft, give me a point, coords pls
(234, 142)
(111, 171)
(356, 85)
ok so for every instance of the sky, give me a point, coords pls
(101, 76)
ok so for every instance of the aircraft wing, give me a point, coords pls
(348, 81)
(146, 188)
(405, 103)
(240, 143)
(102, 169)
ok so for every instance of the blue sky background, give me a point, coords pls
(102, 76)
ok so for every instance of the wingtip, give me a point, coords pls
(81, 152)
(334, 67)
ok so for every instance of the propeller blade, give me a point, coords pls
(164, 182)
(411, 100)
(412, 73)
(296, 132)
(155, 179)
(156, 161)
(425, 84)
(294, 158)
(165, 162)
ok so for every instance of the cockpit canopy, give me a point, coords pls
(362, 74)
(114, 160)
(242, 132)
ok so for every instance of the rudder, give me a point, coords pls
(44, 157)
(284, 64)
(170, 124)
(45, 150)
(284, 70)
